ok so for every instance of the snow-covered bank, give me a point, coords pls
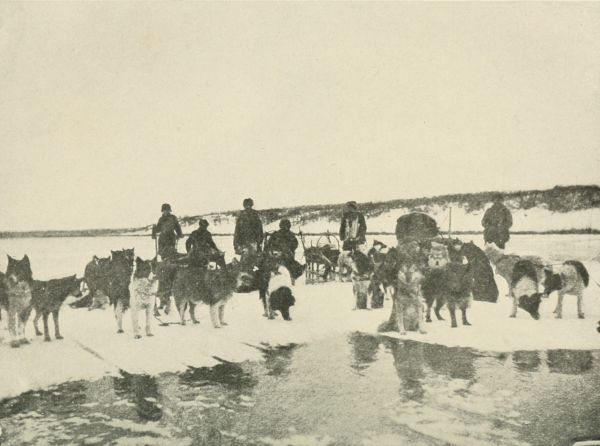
(92, 348)
(537, 219)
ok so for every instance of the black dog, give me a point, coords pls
(434, 290)
(48, 296)
(281, 300)
(446, 280)
(121, 269)
(484, 285)
(97, 279)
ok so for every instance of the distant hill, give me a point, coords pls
(562, 209)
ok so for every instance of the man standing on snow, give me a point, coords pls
(248, 234)
(353, 228)
(169, 230)
(496, 222)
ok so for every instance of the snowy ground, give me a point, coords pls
(92, 348)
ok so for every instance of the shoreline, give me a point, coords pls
(92, 349)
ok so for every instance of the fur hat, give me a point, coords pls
(203, 223)
(165, 207)
(248, 202)
(351, 205)
(497, 196)
(285, 224)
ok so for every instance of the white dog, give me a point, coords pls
(142, 290)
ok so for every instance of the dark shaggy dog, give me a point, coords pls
(448, 282)
(361, 270)
(96, 278)
(120, 270)
(194, 285)
(484, 285)
(381, 280)
(460, 279)
(281, 300)
(48, 296)
(434, 291)
(569, 278)
(434, 284)
(18, 282)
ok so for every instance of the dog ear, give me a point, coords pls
(138, 260)
(10, 259)
(25, 259)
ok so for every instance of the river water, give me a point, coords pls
(353, 390)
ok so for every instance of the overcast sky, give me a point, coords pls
(109, 109)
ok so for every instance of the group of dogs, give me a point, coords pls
(439, 272)
(133, 283)
(530, 280)
(20, 294)
(435, 273)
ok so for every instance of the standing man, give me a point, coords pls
(202, 248)
(496, 222)
(168, 231)
(353, 228)
(248, 233)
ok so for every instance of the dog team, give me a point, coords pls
(424, 269)
(427, 269)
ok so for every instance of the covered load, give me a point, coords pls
(416, 225)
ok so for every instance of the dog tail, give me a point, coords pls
(523, 268)
(583, 273)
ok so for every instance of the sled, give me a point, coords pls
(322, 258)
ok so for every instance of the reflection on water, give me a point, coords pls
(143, 391)
(228, 374)
(526, 361)
(364, 350)
(409, 361)
(570, 362)
(352, 390)
(279, 359)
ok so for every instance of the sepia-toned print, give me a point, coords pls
(300, 223)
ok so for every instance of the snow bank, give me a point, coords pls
(534, 219)
(93, 349)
